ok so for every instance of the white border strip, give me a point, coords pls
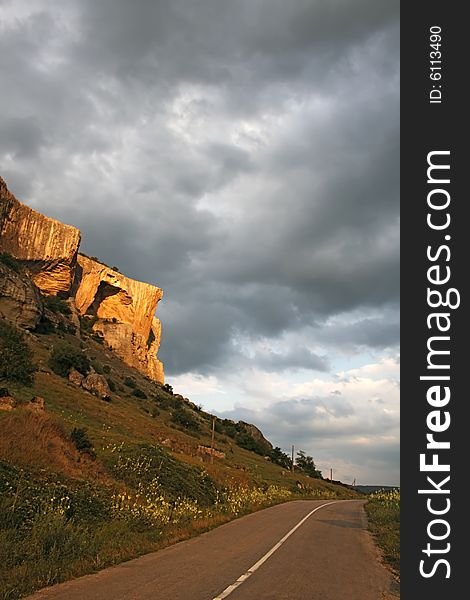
(262, 560)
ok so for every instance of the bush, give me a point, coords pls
(168, 388)
(82, 442)
(9, 261)
(248, 442)
(167, 403)
(111, 384)
(139, 393)
(44, 327)
(130, 382)
(98, 368)
(64, 358)
(16, 358)
(87, 322)
(182, 417)
(56, 305)
(106, 369)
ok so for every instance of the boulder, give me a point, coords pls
(97, 384)
(76, 377)
(8, 403)
(36, 404)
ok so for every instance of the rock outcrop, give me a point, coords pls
(36, 404)
(93, 382)
(8, 403)
(47, 246)
(123, 309)
(257, 435)
(20, 300)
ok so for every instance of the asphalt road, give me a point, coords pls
(330, 556)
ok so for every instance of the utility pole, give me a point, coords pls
(331, 475)
(292, 458)
(212, 439)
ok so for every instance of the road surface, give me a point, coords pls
(328, 556)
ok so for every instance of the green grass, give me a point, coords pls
(62, 513)
(383, 512)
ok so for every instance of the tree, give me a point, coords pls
(168, 388)
(16, 357)
(280, 458)
(305, 463)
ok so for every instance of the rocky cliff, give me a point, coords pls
(125, 309)
(47, 246)
(122, 309)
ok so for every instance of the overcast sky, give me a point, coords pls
(243, 156)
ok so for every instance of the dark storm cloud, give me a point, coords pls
(241, 155)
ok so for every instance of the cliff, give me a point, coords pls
(20, 300)
(125, 310)
(47, 251)
(47, 246)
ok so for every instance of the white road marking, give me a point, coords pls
(262, 560)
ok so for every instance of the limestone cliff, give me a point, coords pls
(123, 309)
(48, 246)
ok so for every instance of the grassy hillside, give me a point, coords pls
(88, 482)
(383, 512)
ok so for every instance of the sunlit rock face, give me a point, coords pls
(125, 310)
(48, 247)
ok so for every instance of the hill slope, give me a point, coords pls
(99, 461)
(140, 473)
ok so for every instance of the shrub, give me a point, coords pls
(87, 322)
(82, 442)
(16, 358)
(182, 417)
(138, 393)
(130, 382)
(66, 357)
(167, 403)
(280, 458)
(168, 388)
(106, 369)
(111, 384)
(44, 327)
(57, 305)
(9, 261)
(248, 442)
(98, 368)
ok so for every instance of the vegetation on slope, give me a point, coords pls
(383, 512)
(88, 483)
